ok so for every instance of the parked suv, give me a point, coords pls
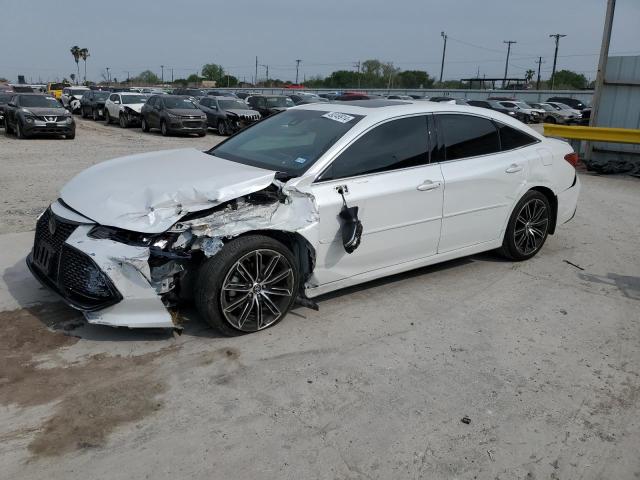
(31, 114)
(572, 102)
(173, 114)
(270, 104)
(4, 99)
(92, 104)
(72, 96)
(227, 115)
(124, 107)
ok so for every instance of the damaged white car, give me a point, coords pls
(311, 200)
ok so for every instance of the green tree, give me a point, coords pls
(569, 79)
(147, 77)
(342, 79)
(194, 78)
(414, 79)
(528, 75)
(212, 71)
(75, 52)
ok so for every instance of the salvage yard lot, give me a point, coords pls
(541, 356)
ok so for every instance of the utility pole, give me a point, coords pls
(297, 67)
(557, 36)
(602, 68)
(108, 76)
(127, 72)
(357, 67)
(171, 74)
(506, 65)
(539, 62)
(256, 77)
(162, 74)
(444, 49)
(267, 68)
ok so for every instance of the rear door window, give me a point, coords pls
(511, 138)
(467, 136)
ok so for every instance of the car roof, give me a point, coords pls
(397, 108)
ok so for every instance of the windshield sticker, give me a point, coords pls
(300, 160)
(338, 117)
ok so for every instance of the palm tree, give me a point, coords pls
(75, 51)
(84, 54)
(528, 75)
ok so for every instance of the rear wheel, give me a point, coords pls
(528, 227)
(550, 119)
(248, 286)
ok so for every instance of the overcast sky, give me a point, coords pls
(135, 35)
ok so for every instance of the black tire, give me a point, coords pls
(19, 133)
(94, 114)
(83, 113)
(214, 272)
(222, 128)
(122, 121)
(550, 119)
(144, 125)
(107, 117)
(163, 128)
(202, 134)
(7, 129)
(522, 240)
(71, 136)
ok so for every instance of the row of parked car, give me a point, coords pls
(194, 111)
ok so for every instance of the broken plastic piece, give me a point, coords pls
(211, 246)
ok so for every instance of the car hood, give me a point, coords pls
(149, 192)
(237, 111)
(136, 107)
(47, 111)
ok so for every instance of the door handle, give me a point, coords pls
(513, 168)
(428, 185)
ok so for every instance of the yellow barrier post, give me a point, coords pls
(593, 134)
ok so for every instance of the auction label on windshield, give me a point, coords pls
(339, 117)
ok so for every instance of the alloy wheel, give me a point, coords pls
(531, 226)
(257, 290)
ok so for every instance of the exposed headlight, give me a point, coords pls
(28, 119)
(123, 236)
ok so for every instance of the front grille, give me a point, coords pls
(192, 124)
(47, 245)
(70, 272)
(81, 278)
(48, 118)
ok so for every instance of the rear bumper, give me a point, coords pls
(568, 203)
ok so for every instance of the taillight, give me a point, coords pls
(572, 158)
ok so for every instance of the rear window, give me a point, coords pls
(511, 138)
(467, 136)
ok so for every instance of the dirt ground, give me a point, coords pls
(542, 358)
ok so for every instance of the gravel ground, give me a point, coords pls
(473, 369)
(34, 170)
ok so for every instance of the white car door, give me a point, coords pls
(113, 107)
(482, 180)
(387, 175)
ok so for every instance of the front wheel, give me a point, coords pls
(144, 125)
(19, 132)
(124, 123)
(247, 286)
(222, 128)
(528, 227)
(550, 119)
(107, 117)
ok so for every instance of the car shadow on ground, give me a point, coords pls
(53, 313)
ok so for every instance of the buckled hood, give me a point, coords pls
(149, 192)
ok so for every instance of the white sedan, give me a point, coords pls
(311, 200)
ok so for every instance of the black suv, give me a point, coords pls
(31, 114)
(572, 102)
(270, 104)
(173, 114)
(226, 114)
(92, 104)
(4, 99)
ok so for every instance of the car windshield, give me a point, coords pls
(523, 105)
(288, 142)
(564, 107)
(101, 95)
(232, 104)
(130, 99)
(181, 103)
(77, 91)
(547, 107)
(279, 102)
(37, 101)
(4, 98)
